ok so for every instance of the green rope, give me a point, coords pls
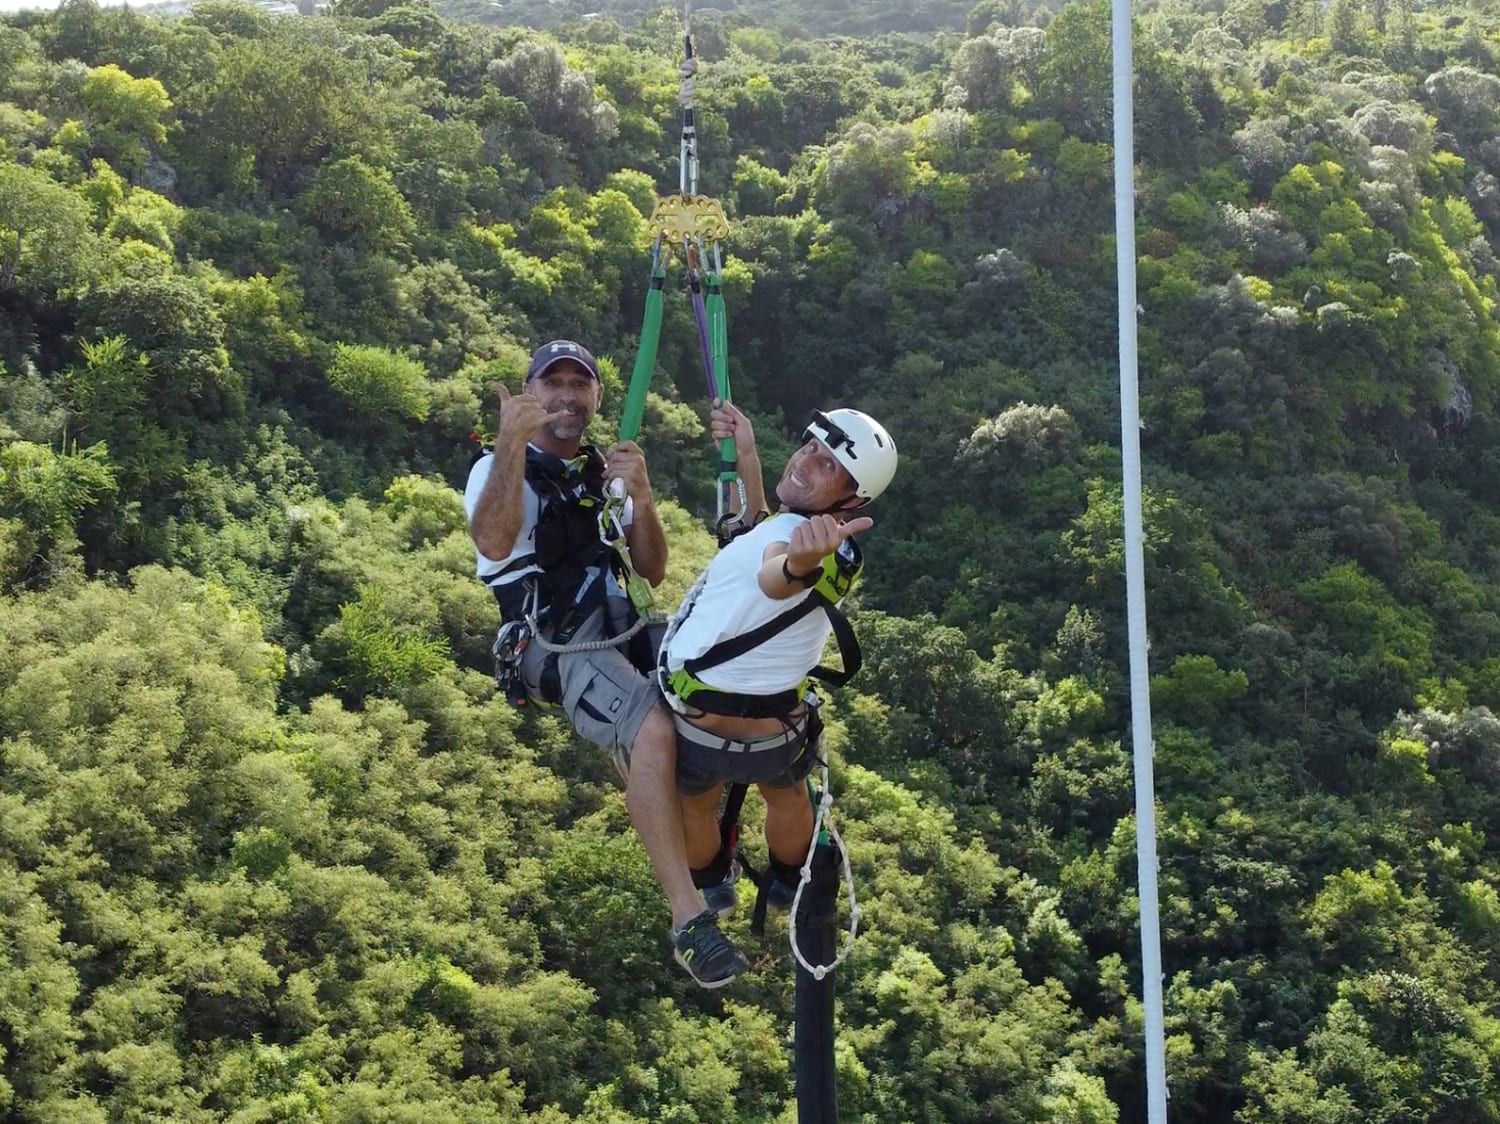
(718, 334)
(645, 357)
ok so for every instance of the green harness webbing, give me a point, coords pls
(645, 357)
(718, 334)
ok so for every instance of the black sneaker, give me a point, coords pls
(709, 956)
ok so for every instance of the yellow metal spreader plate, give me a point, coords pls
(677, 217)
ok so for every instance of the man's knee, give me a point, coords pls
(786, 798)
(655, 745)
(650, 761)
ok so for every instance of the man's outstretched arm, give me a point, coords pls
(790, 568)
(498, 513)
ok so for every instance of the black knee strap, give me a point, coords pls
(714, 873)
(787, 873)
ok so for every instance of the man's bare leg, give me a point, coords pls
(789, 823)
(651, 799)
(700, 822)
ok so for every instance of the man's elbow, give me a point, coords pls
(492, 546)
(651, 566)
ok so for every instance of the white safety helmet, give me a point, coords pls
(859, 443)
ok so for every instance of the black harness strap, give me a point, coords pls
(729, 822)
(566, 542)
(493, 580)
(729, 846)
(843, 632)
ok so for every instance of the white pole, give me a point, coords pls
(1135, 569)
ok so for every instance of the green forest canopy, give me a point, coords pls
(271, 849)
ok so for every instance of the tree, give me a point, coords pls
(380, 386)
(870, 172)
(350, 200)
(38, 987)
(146, 217)
(377, 655)
(127, 116)
(561, 99)
(1384, 648)
(172, 323)
(275, 108)
(954, 710)
(1023, 436)
(1346, 30)
(108, 398)
(1468, 101)
(988, 70)
(42, 495)
(46, 245)
(1073, 84)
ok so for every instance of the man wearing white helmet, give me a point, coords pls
(734, 670)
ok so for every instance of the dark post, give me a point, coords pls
(817, 937)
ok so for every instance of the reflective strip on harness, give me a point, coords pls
(512, 571)
(702, 738)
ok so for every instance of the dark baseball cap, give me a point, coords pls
(551, 354)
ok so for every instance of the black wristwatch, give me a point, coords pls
(807, 581)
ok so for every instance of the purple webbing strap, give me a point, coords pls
(700, 314)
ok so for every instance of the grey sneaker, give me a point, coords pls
(780, 894)
(709, 956)
(723, 897)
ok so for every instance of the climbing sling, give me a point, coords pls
(693, 225)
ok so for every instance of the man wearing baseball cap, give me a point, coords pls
(533, 505)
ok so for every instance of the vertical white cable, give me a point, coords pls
(1135, 569)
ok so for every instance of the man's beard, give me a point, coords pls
(567, 427)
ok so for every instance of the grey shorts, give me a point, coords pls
(705, 760)
(604, 696)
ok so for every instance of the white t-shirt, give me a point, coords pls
(731, 604)
(523, 553)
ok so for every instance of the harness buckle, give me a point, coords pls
(509, 649)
